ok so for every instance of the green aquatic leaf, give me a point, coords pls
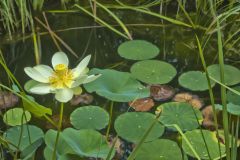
(16, 116)
(194, 80)
(63, 149)
(30, 134)
(138, 50)
(231, 74)
(159, 149)
(116, 86)
(233, 97)
(153, 71)
(89, 117)
(131, 126)
(197, 141)
(88, 143)
(181, 114)
(231, 108)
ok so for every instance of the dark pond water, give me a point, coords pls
(177, 46)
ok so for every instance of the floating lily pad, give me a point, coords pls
(153, 71)
(231, 74)
(16, 116)
(116, 86)
(88, 143)
(89, 117)
(181, 114)
(62, 147)
(131, 126)
(197, 142)
(194, 80)
(138, 50)
(231, 108)
(29, 132)
(159, 149)
(233, 97)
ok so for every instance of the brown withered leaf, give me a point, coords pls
(143, 104)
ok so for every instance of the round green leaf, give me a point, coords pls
(194, 80)
(153, 71)
(132, 126)
(89, 117)
(231, 74)
(116, 86)
(233, 97)
(15, 116)
(159, 149)
(138, 50)
(231, 108)
(181, 114)
(198, 144)
(28, 132)
(88, 143)
(62, 147)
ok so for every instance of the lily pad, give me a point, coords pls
(29, 132)
(159, 149)
(197, 142)
(231, 108)
(62, 147)
(181, 114)
(131, 126)
(232, 97)
(194, 80)
(153, 71)
(138, 50)
(88, 143)
(89, 117)
(116, 86)
(16, 116)
(231, 73)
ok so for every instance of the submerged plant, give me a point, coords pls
(60, 80)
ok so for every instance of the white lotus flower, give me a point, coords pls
(60, 80)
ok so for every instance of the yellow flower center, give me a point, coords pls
(62, 77)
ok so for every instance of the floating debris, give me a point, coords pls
(7, 99)
(55, 118)
(162, 92)
(143, 104)
(82, 99)
(194, 100)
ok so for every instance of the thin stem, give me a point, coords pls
(59, 130)
(110, 119)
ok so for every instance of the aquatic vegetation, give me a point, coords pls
(110, 86)
(26, 147)
(205, 143)
(131, 126)
(183, 114)
(60, 80)
(154, 150)
(89, 117)
(231, 74)
(208, 117)
(56, 118)
(16, 116)
(231, 108)
(143, 104)
(153, 71)
(138, 50)
(232, 97)
(194, 81)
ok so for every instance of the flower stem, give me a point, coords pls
(58, 133)
(110, 119)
